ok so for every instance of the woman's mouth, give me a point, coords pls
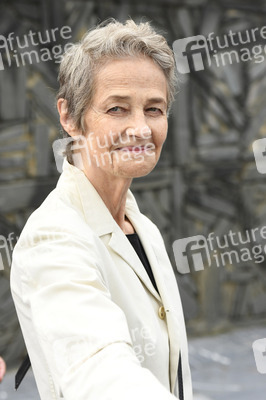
(137, 149)
(133, 149)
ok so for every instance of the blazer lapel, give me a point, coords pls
(121, 245)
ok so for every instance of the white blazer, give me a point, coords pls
(94, 326)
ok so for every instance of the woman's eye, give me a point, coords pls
(154, 110)
(115, 109)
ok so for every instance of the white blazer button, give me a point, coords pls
(161, 312)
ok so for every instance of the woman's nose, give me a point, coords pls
(137, 126)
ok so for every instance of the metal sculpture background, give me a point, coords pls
(206, 180)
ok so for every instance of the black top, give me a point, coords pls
(137, 245)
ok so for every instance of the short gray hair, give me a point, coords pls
(109, 40)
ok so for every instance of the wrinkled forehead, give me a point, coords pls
(123, 76)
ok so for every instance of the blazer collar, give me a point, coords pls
(83, 195)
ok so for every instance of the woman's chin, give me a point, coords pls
(135, 170)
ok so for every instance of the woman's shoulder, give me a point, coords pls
(55, 217)
(55, 234)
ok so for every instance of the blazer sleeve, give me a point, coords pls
(61, 298)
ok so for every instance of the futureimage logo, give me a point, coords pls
(6, 249)
(195, 53)
(14, 47)
(8, 243)
(84, 149)
(143, 343)
(68, 351)
(197, 252)
(191, 254)
(259, 150)
(191, 53)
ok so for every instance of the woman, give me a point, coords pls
(2, 369)
(93, 287)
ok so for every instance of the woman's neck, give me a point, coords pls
(114, 194)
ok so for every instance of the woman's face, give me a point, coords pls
(126, 125)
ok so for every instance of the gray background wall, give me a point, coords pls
(206, 180)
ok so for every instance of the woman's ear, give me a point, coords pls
(65, 119)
